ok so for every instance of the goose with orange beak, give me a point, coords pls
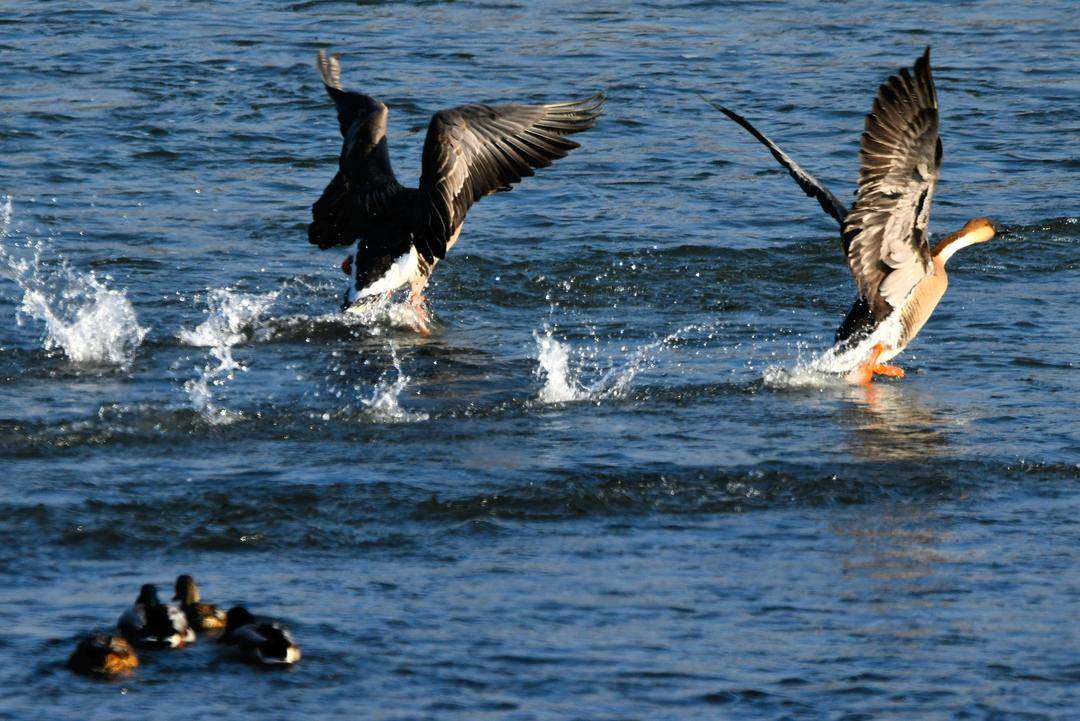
(885, 235)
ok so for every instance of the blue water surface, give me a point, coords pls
(610, 484)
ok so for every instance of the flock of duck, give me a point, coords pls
(151, 624)
(398, 234)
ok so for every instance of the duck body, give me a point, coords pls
(259, 641)
(885, 235)
(205, 617)
(102, 654)
(398, 234)
(154, 624)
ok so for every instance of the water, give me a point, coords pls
(614, 482)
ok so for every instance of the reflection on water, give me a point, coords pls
(890, 422)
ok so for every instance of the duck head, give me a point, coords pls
(187, 592)
(237, 617)
(148, 595)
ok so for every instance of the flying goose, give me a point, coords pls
(401, 233)
(884, 236)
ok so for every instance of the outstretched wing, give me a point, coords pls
(885, 235)
(364, 186)
(474, 150)
(809, 184)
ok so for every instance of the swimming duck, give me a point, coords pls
(885, 236)
(152, 623)
(200, 616)
(401, 233)
(102, 654)
(262, 641)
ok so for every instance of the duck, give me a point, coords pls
(885, 236)
(259, 641)
(149, 622)
(102, 654)
(204, 617)
(398, 234)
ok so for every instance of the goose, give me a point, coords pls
(102, 654)
(260, 641)
(885, 235)
(200, 616)
(399, 234)
(150, 622)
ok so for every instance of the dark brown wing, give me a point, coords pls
(474, 150)
(809, 184)
(364, 186)
(885, 234)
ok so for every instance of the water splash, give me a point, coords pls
(384, 406)
(564, 379)
(379, 313)
(83, 318)
(231, 318)
(830, 367)
(561, 384)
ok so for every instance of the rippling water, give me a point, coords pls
(610, 485)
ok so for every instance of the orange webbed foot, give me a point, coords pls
(864, 373)
(880, 369)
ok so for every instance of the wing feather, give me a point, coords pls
(364, 187)
(475, 150)
(885, 235)
(810, 185)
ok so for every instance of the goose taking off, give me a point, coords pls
(885, 236)
(470, 151)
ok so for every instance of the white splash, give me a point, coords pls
(560, 382)
(379, 311)
(563, 380)
(84, 319)
(383, 406)
(832, 365)
(231, 316)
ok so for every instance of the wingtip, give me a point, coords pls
(592, 105)
(730, 113)
(923, 61)
(329, 69)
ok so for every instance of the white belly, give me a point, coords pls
(398, 274)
